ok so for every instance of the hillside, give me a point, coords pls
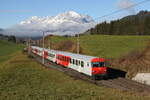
(130, 25)
(1, 31)
(107, 46)
(22, 78)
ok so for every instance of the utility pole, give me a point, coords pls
(49, 45)
(78, 44)
(29, 46)
(43, 49)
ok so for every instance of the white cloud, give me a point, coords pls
(128, 5)
(68, 23)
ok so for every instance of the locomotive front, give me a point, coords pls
(99, 68)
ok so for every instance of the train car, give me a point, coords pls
(88, 65)
(37, 50)
(40, 51)
(34, 50)
(52, 55)
(46, 53)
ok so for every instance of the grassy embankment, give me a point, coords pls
(22, 78)
(7, 50)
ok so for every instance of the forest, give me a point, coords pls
(138, 24)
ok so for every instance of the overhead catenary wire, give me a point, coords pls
(120, 10)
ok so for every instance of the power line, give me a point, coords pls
(134, 5)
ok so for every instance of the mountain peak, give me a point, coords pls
(67, 23)
(69, 15)
(73, 14)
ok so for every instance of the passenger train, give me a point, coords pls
(88, 65)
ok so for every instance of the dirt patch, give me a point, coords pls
(67, 45)
(19, 61)
(136, 61)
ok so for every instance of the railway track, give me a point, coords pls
(116, 83)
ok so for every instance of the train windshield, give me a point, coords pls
(98, 64)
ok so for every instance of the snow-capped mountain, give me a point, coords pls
(68, 23)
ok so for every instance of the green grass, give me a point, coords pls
(108, 46)
(7, 50)
(22, 78)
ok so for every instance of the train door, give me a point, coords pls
(79, 68)
(86, 68)
(72, 64)
(80, 65)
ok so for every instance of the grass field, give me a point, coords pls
(22, 78)
(7, 50)
(107, 46)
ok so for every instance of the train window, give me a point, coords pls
(73, 61)
(87, 64)
(51, 55)
(76, 62)
(82, 64)
(64, 58)
(79, 62)
(67, 59)
(70, 60)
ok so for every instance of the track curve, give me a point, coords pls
(116, 83)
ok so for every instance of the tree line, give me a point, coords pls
(138, 24)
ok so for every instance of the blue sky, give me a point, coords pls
(14, 11)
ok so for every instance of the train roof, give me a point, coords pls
(37, 47)
(73, 55)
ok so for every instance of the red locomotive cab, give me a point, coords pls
(99, 67)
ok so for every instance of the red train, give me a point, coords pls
(88, 65)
